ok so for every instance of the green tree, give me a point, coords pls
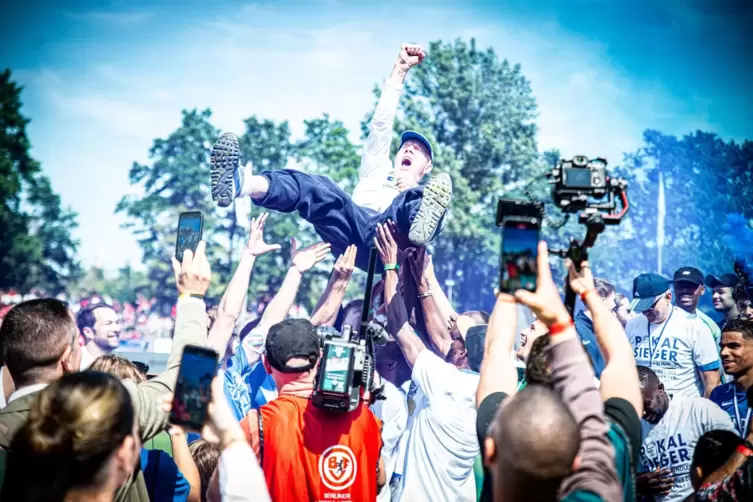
(177, 180)
(706, 180)
(478, 111)
(37, 249)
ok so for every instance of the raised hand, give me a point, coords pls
(256, 245)
(305, 259)
(345, 265)
(192, 276)
(546, 302)
(410, 55)
(385, 244)
(582, 281)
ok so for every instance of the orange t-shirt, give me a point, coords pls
(309, 454)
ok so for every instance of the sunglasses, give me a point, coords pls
(142, 367)
(653, 305)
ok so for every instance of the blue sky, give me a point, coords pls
(102, 80)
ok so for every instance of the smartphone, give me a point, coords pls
(198, 367)
(190, 229)
(520, 241)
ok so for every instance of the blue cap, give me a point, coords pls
(647, 288)
(408, 135)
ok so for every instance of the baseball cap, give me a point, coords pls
(292, 338)
(408, 135)
(647, 288)
(688, 274)
(726, 280)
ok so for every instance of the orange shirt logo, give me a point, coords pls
(338, 467)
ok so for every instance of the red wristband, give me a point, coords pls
(560, 327)
(744, 451)
(585, 294)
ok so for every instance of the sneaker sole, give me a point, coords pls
(224, 161)
(434, 204)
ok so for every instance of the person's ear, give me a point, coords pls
(65, 361)
(576, 463)
(267, 366)
(126, 455)
(490, 451)
(88, 334)
(428, 168)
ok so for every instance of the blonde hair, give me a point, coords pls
(120, 368)
(73, 428)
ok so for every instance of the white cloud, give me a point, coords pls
(243, 64)
(116, 18)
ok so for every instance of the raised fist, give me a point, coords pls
(410, 56)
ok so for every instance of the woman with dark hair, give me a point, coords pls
(80, 442)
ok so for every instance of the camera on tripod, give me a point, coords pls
(344, 369)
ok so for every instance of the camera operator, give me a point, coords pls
(307, 453)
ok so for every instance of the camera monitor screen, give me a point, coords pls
(336, 369)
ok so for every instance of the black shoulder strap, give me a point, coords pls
(261, 438)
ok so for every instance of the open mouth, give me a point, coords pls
(406, 162)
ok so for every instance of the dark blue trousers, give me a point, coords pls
(334, 215)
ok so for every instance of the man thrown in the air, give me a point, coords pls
(386, 190)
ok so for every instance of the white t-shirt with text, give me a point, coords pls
(670, 443)
(677, 350)
(442, 443)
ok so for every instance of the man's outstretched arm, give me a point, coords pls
(376, 150)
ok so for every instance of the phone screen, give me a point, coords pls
(198, 367)
(518, 270)
(336, 369)
(190, 226)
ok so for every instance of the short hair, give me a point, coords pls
(739, 325)
(206, 456)
(604, 288)
(713, 449)
(119, 367)
(35, 335)
(539, 436)
(647, 377)
(86, 318)
(478, 316)
(539, 362)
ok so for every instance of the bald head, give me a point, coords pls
(536, 441)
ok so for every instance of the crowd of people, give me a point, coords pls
(642, 398)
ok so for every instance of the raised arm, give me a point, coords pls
(498, 372)
(301, 261)
(620, 375)
(436, 326)
(572, 378)
(376, 149)
(234, 297)
(397, 315)
(325, 312)
(192, 279)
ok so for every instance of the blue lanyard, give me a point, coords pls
(661, 333)
(741, 426)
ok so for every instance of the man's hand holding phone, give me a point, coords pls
(192, 276)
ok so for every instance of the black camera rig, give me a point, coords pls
(346, 366)
(577, 187)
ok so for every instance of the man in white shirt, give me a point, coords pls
(671, 428)
(385, 191)
(441, 439)
(679, 348)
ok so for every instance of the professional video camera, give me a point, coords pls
(579, 186)
(346, 367)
